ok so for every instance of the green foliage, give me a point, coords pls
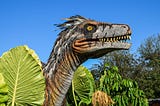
(124, 60)
(3, 91)
(123, 91)
(82, 87)
(149, 74)
(22, 72)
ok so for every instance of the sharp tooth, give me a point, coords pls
(107, 39)
(121, 37)
(129, 37)
(101, 39)
(124, 37)
(117, 38)
(111, 39)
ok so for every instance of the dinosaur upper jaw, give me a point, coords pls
(117, 42)
(106, 45)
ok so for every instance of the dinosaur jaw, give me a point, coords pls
(117, 42)
(112, 45)
(97, 47)
(103, 48)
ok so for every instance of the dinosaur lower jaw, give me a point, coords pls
(102, 48)
(112, 45)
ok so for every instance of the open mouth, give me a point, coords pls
(116, 42)
(122, 38)
(103, 45)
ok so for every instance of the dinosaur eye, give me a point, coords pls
(90, 28)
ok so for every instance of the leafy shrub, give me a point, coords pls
(124, 92)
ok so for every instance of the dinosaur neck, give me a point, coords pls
(58, 78)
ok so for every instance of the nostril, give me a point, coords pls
(124, 26)
(106, 34)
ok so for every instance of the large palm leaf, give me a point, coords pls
(82, 85)
(23, 74)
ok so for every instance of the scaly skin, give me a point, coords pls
(80, 40)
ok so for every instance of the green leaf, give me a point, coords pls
(22, 72)
(3, 104)
(3, 91)
(3, 85)
(3, 98)
(83, 85)
(102, 80)
(115, 68)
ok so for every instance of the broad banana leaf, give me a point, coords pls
(82, 85)
(22, 72)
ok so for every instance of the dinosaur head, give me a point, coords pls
(93, 39)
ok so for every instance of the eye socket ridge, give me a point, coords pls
(90, 28)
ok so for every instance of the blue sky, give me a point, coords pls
(30, 22)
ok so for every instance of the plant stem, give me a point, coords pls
(74, 94)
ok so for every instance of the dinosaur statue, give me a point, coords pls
(79, 40)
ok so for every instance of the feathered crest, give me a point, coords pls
(71, 21)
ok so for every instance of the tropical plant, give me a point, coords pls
(83, 91)
(22, 72)
(21, 69)
(124, 92)
(3, 91)
(83, 87)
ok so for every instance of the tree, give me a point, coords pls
(150, 66)
(124, 60)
